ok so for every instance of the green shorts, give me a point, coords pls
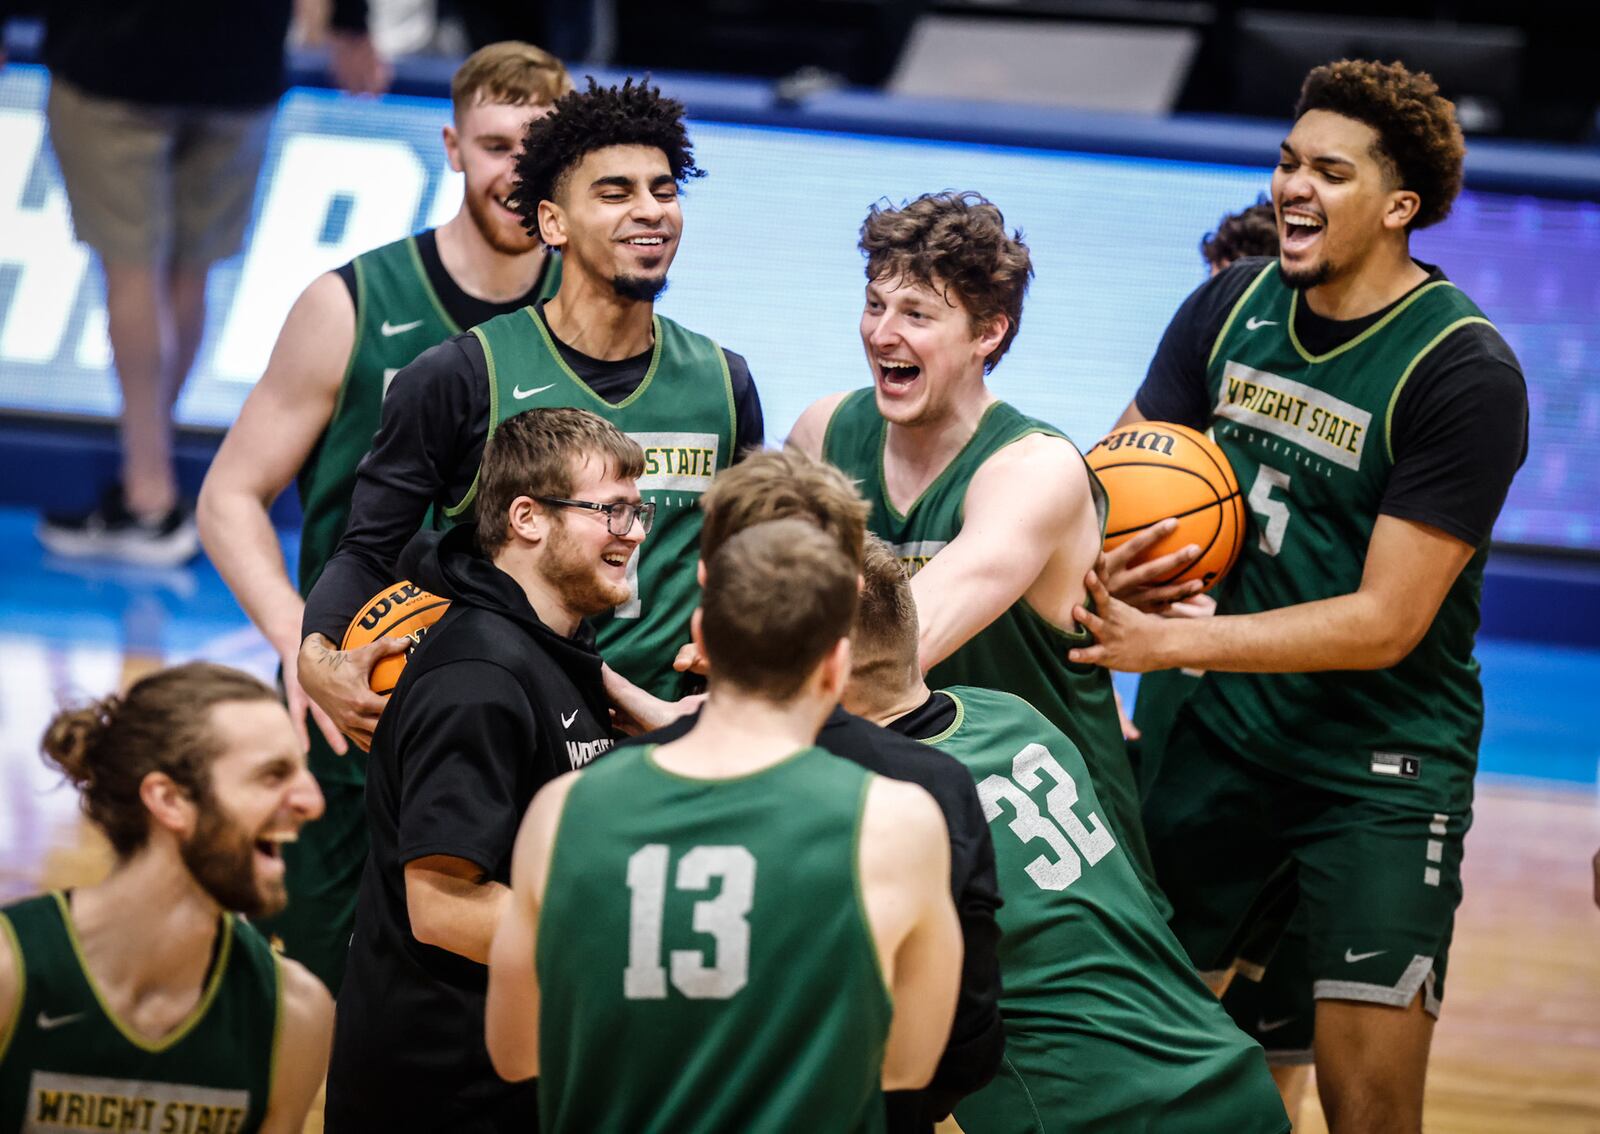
(1378, 881)
(1270, 998)
(322, 870)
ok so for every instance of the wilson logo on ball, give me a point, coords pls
(402, 610)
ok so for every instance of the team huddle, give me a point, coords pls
(752, 789)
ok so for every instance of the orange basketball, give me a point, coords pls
(403, 610)
(1152, 470)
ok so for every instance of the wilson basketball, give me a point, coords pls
(1153, 470)
(403, 610)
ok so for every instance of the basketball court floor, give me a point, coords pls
(1518, 1048)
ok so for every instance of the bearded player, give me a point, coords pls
(1375, 419)
(312, 415)
(598, 179)
(146, 1002)
(994, 511)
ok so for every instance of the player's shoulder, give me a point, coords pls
(1040, 461)
(903, 811)
(307, 1005)
(810, 429)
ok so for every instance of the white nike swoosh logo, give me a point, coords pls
(519, 393)
(1273, 1025)
(1352, 957)
(390, 329)
(566, 722)
(1254, 324)
(46, 1023)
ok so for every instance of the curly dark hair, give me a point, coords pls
(954, 242)
(1248, 232)
(634, 114)
(1419, 139)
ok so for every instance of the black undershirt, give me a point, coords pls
(464, 310)
(1460, 429)
(430, 442)
(928, 719)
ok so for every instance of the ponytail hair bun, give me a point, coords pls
(73, 739)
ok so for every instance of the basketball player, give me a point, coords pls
(734, 931)
(146, 1002)
(1335, 735)
(312, 416)
(598, 180)
(503, 695)
(787, 484)
(1107, 1026)
(995, 512)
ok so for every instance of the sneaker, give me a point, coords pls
(111, 531)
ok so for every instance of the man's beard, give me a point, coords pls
(571, 573)
(644, 289)
(494, 234)
(1314, 276)
(222, 859)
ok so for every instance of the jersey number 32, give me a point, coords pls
(1061, 830)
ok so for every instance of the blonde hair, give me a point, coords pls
(510, 72)
(780, 484)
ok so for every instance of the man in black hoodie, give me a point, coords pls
(503, 695)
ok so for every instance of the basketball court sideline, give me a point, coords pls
(1519, 1046)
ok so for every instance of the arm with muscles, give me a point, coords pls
(428, 422)
(305, 1039)
(1017, 509)
(904, 862)
(1408, 570)
(512, 1014)
(464, 731)
(11, 989)
(276, 431)
(811, 427)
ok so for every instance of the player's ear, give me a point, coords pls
(1403, 208)
(834, 670)
(170, 805)
(452, 147)
(993, 333)
(696, 628)
(552, 224)
(700, 573)
(526, 520)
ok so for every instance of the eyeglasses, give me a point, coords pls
(619, 516)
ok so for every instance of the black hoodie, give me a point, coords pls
(492, 705)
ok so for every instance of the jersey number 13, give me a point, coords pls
(724, 918)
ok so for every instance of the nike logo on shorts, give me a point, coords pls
(48, 1023)
(519, 393)
(391, 329)
(1264, 1025)
(1254, 324)
(1351, 956)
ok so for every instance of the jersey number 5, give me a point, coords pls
(723, 918)
(1273, 514)
(1061, 835)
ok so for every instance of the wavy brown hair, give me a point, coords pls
(1419, 140)
(953, 242)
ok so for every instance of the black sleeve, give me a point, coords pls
(750, 427)
(466, 728)
(349, 16)
(977, 1038)
(1174, 388)
(434, 416)
(1460, 433)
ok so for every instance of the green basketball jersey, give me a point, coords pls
(398, 316)
(1020, 651)
(683, 417)
(67, 1063)
(704, 957)
(1108, 1028)
(1309, 439)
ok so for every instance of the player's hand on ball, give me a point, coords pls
(1198, 606)
(1137, 586)
(1125, 638)
(299, 703)
(340, 681)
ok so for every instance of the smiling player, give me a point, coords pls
(145, 1002)
(598, 179)
(1375, 419)
(312, 415)
(995, 512)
